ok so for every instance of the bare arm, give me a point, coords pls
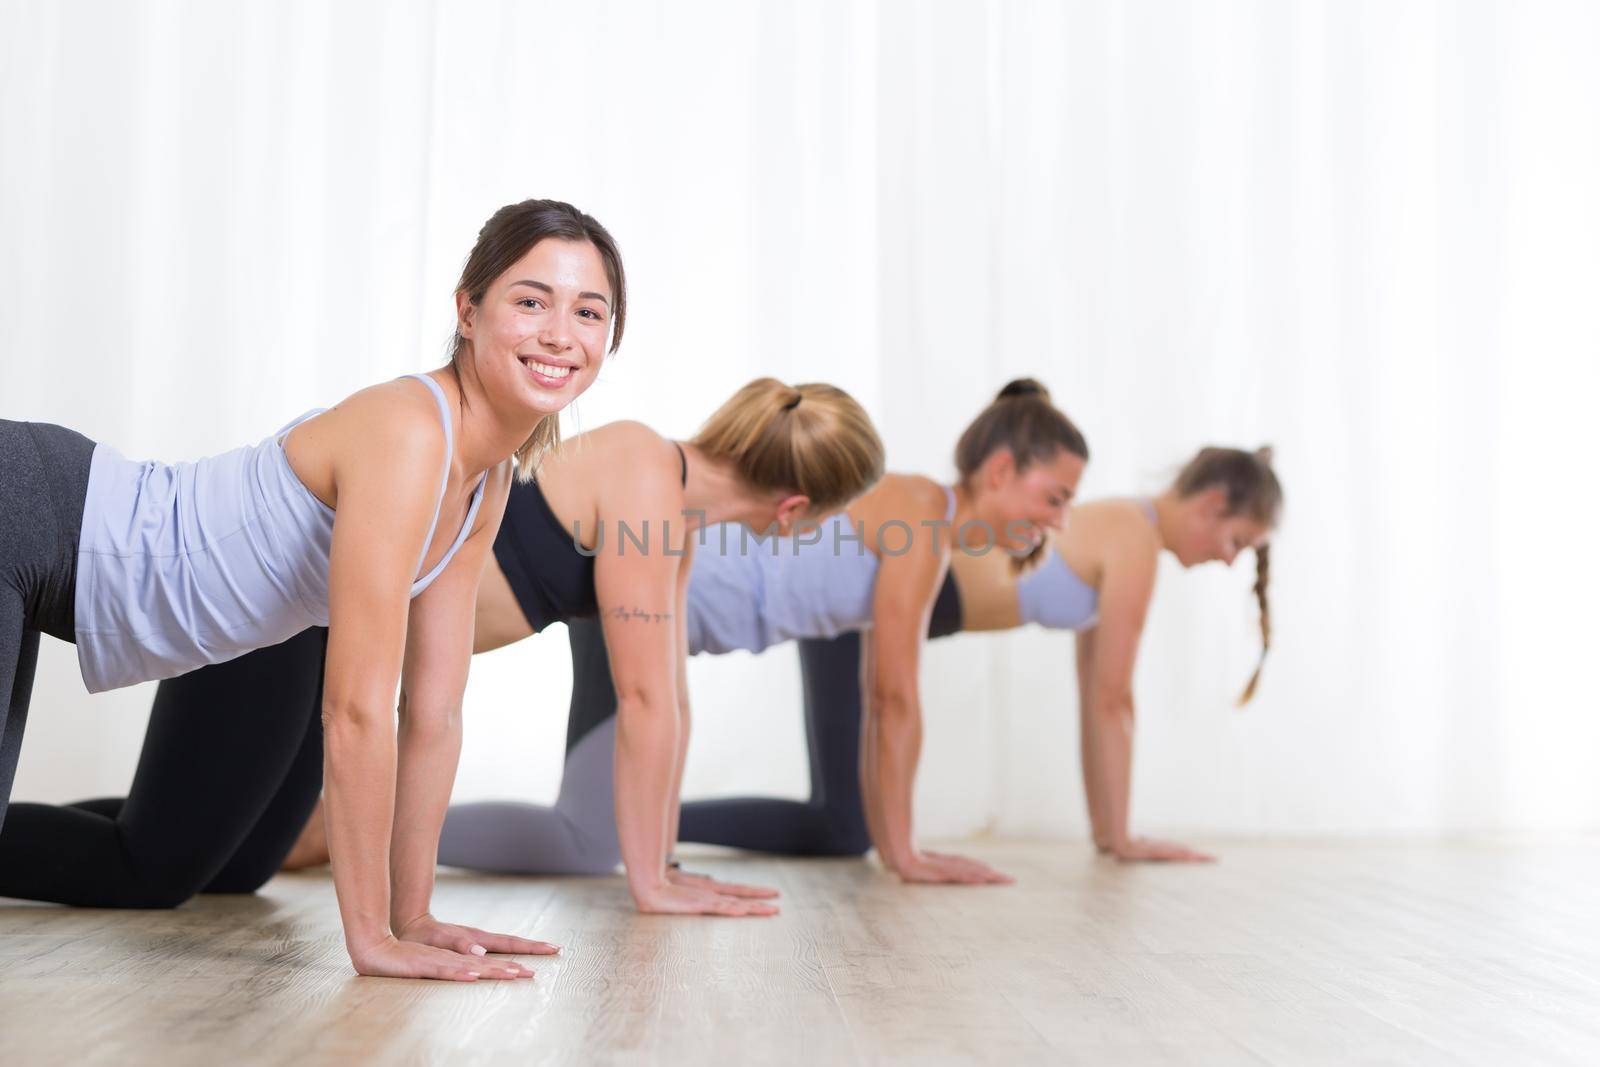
(384, 507)
(676, 875)
(681, 637)
(1106, 712)
(892, 727)
(433, 679)
(640, 599)
(1092, 788)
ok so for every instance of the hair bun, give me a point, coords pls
(1024, 387)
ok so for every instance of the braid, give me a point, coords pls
(1263, 564)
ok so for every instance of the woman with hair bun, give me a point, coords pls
(873, 573)
(371, 519)
(1096, 578)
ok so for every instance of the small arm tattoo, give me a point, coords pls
(637, 615)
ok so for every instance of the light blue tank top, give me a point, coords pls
(750, 594)
(1055, 597)
(185, 564)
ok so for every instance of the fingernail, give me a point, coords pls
(472, 974)
(479, 950)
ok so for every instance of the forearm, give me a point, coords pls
(1107, 731)
(358, 801)
(429, 750)
(896, 748)
(675, 803)
(1098, 828)
(646, 760)
(871, 795)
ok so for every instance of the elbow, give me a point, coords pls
(1113, 704)
(894, 705)
(641, 706)
(354, 719)
(425, 721)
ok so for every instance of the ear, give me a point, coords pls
(465, 310)
(999, 468)
(1214, 501)
(791, 509)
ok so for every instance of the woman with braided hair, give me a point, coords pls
(1098, 581)
(1095, 577)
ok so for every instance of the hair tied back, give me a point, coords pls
(1020, 387)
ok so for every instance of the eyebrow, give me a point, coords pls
(542, 287)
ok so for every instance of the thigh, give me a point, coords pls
(261, 854)
(19, 653)
(221, 743)
(830, 671)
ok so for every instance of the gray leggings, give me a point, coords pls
(44, 476)
(579, 834)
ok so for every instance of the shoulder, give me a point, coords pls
(391, 425)
(636, 459)
(618, 440)
(912, 497)
(624, 434)
(1115, 527)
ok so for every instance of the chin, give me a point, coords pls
(548, 401)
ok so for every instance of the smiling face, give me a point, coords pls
(538, 335)
(1206, 533)
(1020, 504)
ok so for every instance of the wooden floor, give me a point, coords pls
(1294, 953)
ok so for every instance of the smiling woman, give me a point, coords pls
(372, 518)
(526, 256)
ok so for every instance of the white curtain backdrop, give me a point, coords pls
(1366, 232)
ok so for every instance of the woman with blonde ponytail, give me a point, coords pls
(874, 573)
(604, 540)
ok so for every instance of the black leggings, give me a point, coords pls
(44, 475)
(229, 773)
(833, 821)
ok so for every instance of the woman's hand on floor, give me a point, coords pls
(947, 869)
(393, 958)
(678, 876)
(1151, 850)
(474, 943)
(672, 899)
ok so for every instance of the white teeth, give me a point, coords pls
(549, 370)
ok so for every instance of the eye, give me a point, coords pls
(595, 315)
(530, 302)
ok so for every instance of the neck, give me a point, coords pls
(1167, 507)
(485, 435)
(967, 507)
(714, 490)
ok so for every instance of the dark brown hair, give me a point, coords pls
(1020, 420)
(506, 238)
(1251, 488)
(812, 439)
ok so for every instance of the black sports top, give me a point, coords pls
(549, 574)
(946, 616)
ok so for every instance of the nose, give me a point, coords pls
(554, 333)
